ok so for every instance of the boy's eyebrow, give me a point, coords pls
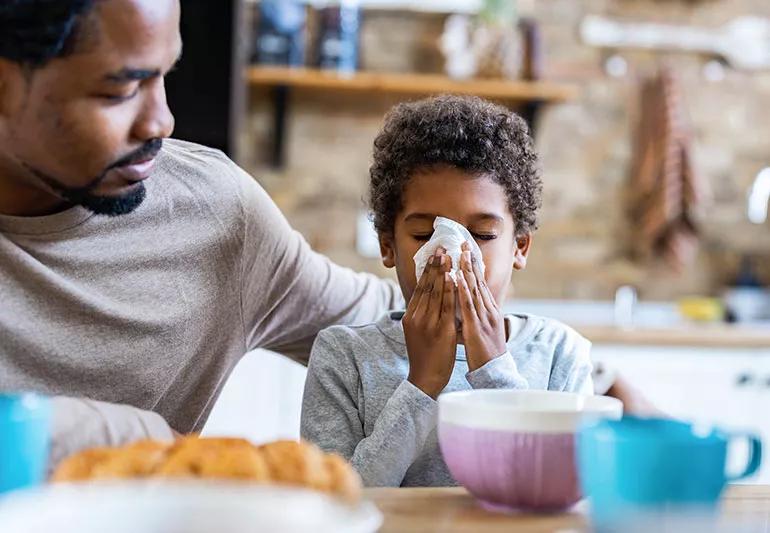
(420, 216)
(488, 216)
(477, 217)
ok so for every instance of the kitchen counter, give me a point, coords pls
(449, 510)
(654, 324)
(689, 335)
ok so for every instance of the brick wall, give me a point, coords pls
(581, 249)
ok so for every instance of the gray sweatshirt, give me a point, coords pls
(358, 402)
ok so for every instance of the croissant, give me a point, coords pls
(283, 462)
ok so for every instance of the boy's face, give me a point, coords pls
(478, 203)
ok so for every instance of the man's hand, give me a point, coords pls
(429, 327)
(634, 401)
(483, 323)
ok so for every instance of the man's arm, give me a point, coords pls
(289, 292)
(79, 423)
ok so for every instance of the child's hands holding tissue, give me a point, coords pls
(483, 323)
(429, 327)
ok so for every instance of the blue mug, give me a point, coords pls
(641, 467)
(24, 440)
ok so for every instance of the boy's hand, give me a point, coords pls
(483, 323)
(429, 327)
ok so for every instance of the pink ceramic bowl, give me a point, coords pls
(516, 449)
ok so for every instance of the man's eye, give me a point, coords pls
(424, 237)
(118, 98)
(484, 236)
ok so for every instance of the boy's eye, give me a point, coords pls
(477, 236)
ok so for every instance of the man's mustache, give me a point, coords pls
(148, 150)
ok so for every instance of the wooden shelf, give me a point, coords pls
(527, 96)
(417, 84)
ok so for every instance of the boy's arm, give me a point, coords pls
(499, 373)
(570, 365)
(331, 417)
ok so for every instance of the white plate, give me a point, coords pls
(191, 507)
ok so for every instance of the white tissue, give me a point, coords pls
(450, 235)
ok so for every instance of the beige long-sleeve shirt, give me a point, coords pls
(153, 309)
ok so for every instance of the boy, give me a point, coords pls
(371, 391)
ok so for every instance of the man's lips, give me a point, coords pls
(136, 172)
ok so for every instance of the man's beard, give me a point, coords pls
(112, 206)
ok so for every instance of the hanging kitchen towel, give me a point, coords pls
(667, 194)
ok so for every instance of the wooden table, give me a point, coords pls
(452, 510)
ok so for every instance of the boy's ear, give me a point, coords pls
(523, 244)
(388, 250)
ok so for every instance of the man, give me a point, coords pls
(135, 272)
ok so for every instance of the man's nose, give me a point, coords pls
(156, 120)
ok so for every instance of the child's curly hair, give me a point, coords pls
(465, 132)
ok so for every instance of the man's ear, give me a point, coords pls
(4, 87)
(523, 245)
(9, 79)
(13, 86)
(388, 250)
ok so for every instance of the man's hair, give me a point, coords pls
(33, 32)
(464, 132)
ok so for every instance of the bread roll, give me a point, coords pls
(299, 464)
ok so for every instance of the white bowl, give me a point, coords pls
(516, 449)
(532, 411)
(189, 507)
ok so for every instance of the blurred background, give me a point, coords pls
(652, 118)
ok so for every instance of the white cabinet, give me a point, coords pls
(261, 400)
(728, 388)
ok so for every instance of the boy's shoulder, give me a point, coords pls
(384, 335)
(550, 334)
